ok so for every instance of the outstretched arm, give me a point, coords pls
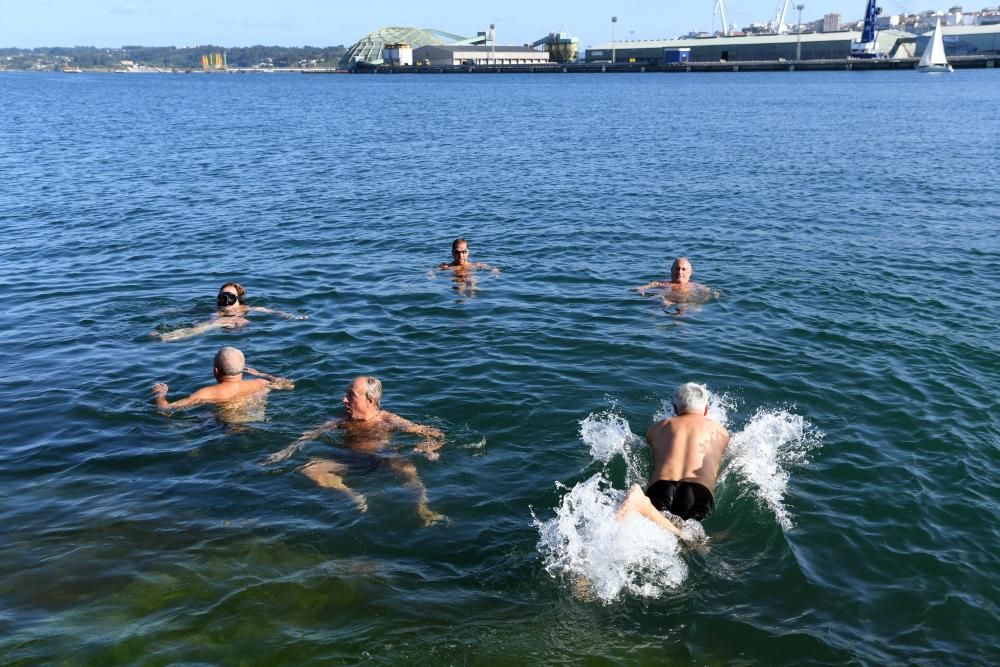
(191, 332)
(280, 313)
(641, 289)
(160, 399)
(275, 381)
(300, 442)
(431, 439)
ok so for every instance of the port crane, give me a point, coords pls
(866, 46)
(777, 24)
(720, 8)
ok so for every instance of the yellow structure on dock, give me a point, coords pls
(210, 61)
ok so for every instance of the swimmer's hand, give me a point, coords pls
(429, 449)
(285, 453)
(160, 389)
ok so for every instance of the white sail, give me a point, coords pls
(934, 51)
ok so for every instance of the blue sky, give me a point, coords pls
(113, 23)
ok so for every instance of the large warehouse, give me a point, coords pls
(815, 46)
(965, 40)
(369, 48)
(479, 55)
(958, 41)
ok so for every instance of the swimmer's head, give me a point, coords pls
(691, 398)
(230, 294)
(681, 270)
(363, 396)
(229, 362)
(460, 250)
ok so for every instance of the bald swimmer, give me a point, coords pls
(687, 451)
(230, 387)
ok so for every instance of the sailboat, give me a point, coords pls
(934, 59)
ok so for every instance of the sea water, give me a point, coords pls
(846, 223)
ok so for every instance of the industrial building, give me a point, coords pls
(448, 55)
(369, 49)
(813, 45)
(965, 40)
(399, 46)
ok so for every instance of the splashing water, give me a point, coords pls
(719, 406)
(607, 557)
(607, 434)
(760, 457)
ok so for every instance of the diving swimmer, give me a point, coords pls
(687, 451)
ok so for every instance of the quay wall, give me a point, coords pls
(958, 62)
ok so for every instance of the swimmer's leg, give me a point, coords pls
(411, 480)
(329, 474)
(637, 502)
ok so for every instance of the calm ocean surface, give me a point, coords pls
(848, 220)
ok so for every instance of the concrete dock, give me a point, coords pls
(958, 62)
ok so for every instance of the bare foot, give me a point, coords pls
(428, 516)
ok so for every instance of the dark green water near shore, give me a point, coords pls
(848, 221)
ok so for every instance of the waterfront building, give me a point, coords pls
(369, 49)
(831, 22)
(964, 40)
(741, 48)
(452, 54)
(397, 54)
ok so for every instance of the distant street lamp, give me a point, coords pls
(493, 43)
(614, 20)
(798, 38)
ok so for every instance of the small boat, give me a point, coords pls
(72, 70)
(934, 59)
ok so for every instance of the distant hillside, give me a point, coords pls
(168, 56)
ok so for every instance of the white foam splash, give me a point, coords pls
(607, 434)
(761, 455)
(719, 406)
(606, 557)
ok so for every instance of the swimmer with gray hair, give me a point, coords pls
(228, 367)
(367, 429)
(687, 452)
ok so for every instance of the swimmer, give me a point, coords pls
(230, 388)
(231, 302)
(464, 271)
(687, 451)
(367, 428)
(460, 259)
(680, 290)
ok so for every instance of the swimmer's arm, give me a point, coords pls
(641, 289)
(301, 441)
(487, 267)
(280, 313)
(160, 399)
(273, 380)
(191, 332)
(431, 441)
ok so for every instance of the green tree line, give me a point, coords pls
(171, 56)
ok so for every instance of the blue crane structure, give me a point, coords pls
(867, 46)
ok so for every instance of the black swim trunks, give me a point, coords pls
(688, 500)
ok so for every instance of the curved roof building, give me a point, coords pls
(368, 49)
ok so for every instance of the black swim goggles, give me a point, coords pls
(226, 299)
